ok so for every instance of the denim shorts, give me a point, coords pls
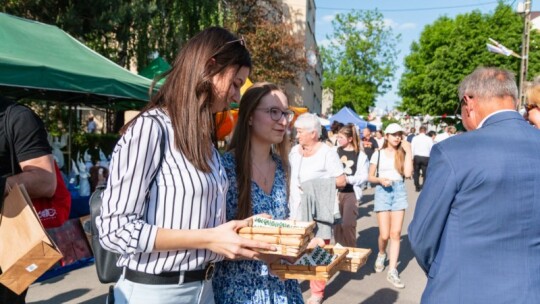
(392, 198)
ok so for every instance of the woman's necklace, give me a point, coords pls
(265, 182)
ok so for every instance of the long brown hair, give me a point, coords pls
(399, 157)
(241, 144)
(188, 92)
(349, 131)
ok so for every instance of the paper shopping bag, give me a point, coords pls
(26, 251)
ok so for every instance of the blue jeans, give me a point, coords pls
(392, 198)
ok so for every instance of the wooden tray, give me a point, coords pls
(287, 245)
(305, 228)
(302, 272)
(355, 258)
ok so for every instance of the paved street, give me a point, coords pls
(365, 286)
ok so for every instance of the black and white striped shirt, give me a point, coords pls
(182, 197)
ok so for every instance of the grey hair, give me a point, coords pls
(309, 122)
(489, 82)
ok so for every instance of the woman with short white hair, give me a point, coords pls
(310, 161)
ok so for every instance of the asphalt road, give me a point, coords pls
(364, 286)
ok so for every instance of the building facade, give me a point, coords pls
(301, 13)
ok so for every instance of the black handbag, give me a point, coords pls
(105, 260)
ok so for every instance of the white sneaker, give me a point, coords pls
(314, 300)
(379, 262)
(393, 277)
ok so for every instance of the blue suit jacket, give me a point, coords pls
(476, 227)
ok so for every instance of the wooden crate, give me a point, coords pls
(302, 272)
(304, 228)
(355, 258)
(286, 245)
(289, 241)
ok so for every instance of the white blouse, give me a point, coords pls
(324, 163)
(387, 169)
(181, 197)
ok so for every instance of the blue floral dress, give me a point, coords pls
(250, 281)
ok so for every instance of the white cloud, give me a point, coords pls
(399, 26)
(360, 25)
(326, 42)
(390, 23)
(329, 18)
(407, 26)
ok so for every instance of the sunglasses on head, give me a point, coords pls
(241, 40)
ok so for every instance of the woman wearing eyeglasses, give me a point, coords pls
(256, 164)
(388, 168)
(164, 205)
(532, 108)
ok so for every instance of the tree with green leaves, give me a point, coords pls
(278, 55)
(359, 62)
(124, 31)
(449, 49)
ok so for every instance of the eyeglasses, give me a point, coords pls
(529, 107)
(276, 113)
(462, 101)
(241, 40)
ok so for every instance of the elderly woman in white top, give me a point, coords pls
(311, 160)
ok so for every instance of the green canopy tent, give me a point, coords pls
(155, 68)
(42, 62)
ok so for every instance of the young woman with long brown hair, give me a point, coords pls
(355, 166)
(256, 163)
(389, 166)
(167, 217)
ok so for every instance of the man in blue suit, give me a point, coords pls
(476, 227)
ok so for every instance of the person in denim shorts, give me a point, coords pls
(389, 166)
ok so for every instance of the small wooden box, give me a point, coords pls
(303, 272)
(355, 258)
(301, 228)
(286, 245)
(289, 241)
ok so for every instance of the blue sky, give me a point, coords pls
(407, 18)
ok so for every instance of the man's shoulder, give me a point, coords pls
(16, 109)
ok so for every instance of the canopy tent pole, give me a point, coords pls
(69, 140)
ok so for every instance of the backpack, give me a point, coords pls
(105, 260)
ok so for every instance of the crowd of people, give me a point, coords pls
(173, 202)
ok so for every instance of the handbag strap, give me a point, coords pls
(378, 158)
(9, 138)
(11, 149)
(161, 145)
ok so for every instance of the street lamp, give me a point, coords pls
(496, 47)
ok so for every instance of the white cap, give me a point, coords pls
(393, 128)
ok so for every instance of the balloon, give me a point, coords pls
(225, 122)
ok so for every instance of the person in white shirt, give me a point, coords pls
(379, 138)
(421, 147)
(448, 131)
(310, 160)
